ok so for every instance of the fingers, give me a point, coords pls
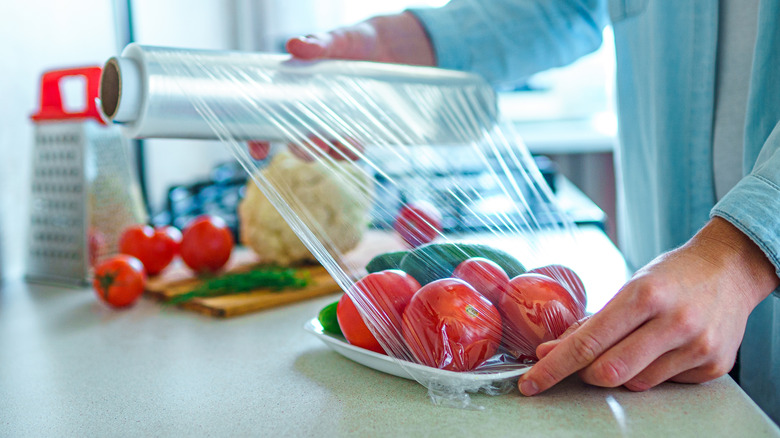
(629, 357)
(355, 42)
(702, 374)
(675, 366)
(662, 369)
(398, 38)
(543, 349)
(307, 47)
(686, 365)
(581, 347)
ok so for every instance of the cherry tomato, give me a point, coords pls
(418, 223)
(258, 150)
(315, 147)
(119, 280)
(387, 292)
(483, 275)
(536, 309)
(206, 244)
(348, 150)
(569, 279)
(311, 149)
(449, 325)
(154, 247)
(96, 244)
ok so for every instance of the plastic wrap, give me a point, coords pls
(446, 208)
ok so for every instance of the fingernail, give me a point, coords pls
(528, 387)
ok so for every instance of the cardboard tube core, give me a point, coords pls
(120, 90)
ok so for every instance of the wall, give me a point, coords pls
(43, 34)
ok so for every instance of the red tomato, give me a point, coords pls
(154, 247)
(258, 149)
(96, 244)
(484, 275)
(119, 280)
(536, 309)
(314, 147)
(347, 150)
(449, 325)
(569, 279)
(387, 292)
(311, 149)
(418, 223)
(206, 244)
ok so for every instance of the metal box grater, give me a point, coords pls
(83, 192)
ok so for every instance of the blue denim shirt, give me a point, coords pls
(666, 65)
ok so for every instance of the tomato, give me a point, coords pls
(154, 247)
(206, 244)
(386, 292)
(536, 309)
(354, 328)
(314, 148)
(569, 279)
(119, 280)
(418, 223)
(483, 275)
(449, 325)
(96, 244)
(258, 150)
(349, 150)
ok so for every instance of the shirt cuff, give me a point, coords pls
(752, 206)
(442, 26)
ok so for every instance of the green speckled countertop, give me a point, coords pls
(71, 367)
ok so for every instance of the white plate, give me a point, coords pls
(408, 370)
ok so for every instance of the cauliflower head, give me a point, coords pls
(333, 202)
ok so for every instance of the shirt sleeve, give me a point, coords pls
(506, 41)
(753, 205)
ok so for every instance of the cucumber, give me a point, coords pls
(388, 260)
(327, 317)
(437, 260)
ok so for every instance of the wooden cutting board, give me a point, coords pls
(178, 279)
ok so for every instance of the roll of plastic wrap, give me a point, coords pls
(158, 92)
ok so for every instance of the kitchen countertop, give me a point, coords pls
(71, 366)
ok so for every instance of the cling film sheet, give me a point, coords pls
(432, 216)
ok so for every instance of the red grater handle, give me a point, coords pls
(51, 98)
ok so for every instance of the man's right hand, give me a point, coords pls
(396, 38)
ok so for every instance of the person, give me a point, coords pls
(698, 93)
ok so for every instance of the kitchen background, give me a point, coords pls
(565, 114)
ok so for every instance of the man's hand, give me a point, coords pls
(397, 38)
(680, 318)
